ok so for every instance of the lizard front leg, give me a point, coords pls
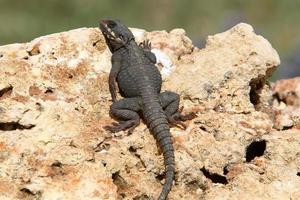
(146, 46)
(115, 68)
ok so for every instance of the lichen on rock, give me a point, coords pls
(54, 103)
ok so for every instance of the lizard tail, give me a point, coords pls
(159, 127)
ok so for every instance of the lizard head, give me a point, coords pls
(115, 33)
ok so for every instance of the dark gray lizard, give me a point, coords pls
(139, 82)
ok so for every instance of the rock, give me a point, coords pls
(287, 103)
(54, 103)
(288, 91)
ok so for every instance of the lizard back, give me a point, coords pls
(137, 70)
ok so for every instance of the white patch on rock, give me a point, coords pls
(165, 61)
(139, 34)
(73, 63)
(102, 64)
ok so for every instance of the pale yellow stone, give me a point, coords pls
(59, 102)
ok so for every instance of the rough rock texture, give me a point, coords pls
(287, 103)
(54, 102)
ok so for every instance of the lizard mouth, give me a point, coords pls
(107, 32)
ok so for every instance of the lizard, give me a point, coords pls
(139, 83)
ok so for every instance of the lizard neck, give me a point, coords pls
(129, 44)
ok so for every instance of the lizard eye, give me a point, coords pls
(111, 24)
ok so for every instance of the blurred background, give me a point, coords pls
(276, 20)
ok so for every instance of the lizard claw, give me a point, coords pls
(122, 125)
(112, 129)
(178, 124)
(146, 45)
(186, 117)
(177, 119)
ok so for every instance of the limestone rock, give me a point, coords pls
(287, 103)
(54, 103)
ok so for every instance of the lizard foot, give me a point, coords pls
(146, 45)
(177, 119)
(123, 125)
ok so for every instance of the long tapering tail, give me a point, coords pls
(159, 127)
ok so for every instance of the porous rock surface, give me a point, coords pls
(54, 102)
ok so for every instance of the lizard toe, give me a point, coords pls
(186, 117)
(122, 125)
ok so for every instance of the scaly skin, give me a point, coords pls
(139, 82)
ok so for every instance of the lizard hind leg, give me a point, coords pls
(170, 104)
(126, 112)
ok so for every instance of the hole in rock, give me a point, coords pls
(6, 91)
(226, 170)
(34, 51)
(119, 180)
(27, 191)
(141, 197)
(298, 174)
(104, 163)
(287, 127)
(95, 43)
(49, 91)
(132, 149)
(28, 194)
(214, 177)
(56, 164)
(256, 85)
(123, 195)
(11, 126)
(255, 149)
(160, 177)
(203, 128)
